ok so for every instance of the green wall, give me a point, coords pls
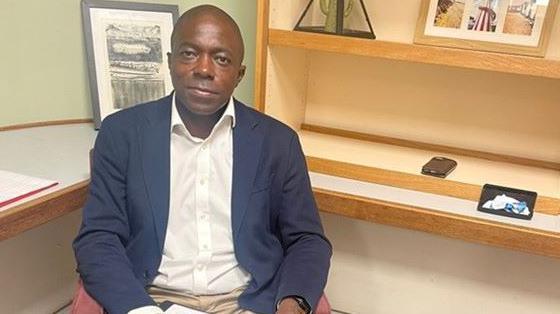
(44, 68)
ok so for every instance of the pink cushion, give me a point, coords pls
(84, 304)
(323, 307)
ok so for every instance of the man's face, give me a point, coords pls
(205, 64)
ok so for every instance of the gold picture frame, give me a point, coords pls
(506, 26)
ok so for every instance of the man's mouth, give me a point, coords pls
(202, 91)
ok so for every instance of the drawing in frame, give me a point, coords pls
(126, 46)
(506, 26)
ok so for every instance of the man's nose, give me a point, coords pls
(204, 67)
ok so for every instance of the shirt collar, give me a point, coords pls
(228, 114)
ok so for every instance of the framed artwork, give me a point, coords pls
(507, 26)
(126, 46)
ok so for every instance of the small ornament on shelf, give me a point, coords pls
(337, 17)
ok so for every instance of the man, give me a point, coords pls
(198, 199)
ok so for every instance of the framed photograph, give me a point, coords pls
(507, 26)
(126, 46)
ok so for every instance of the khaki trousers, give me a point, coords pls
(215, 304)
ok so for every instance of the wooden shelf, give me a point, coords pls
(399, 166)
(432, 147)
(528, 237)
(469, 59)
(449, 225)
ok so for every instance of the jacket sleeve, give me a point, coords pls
(307, 251)
(103, 265)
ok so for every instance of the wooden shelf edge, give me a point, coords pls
(453, 226)
(544, 204)
(433, 147)
(261, 55)
(42, 210)
(462, 58)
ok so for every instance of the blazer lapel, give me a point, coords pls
(155, 141)
(247, 142)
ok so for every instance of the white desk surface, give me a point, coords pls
(435, 202)
(59, 153)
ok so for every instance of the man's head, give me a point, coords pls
(206, 59)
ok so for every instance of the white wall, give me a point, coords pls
(386, 270)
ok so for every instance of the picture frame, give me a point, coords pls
(126, 45)
(506, 26)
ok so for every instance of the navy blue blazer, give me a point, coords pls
(277, 233)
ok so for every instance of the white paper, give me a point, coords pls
(14, 185)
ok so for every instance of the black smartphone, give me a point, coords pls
(439, 167)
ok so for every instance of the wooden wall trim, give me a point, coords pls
(44, 123)
(36, 212)
(261, 54)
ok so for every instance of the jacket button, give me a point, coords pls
(146, 274)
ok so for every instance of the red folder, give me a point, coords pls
(15, 186)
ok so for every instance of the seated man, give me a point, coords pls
(199, 200)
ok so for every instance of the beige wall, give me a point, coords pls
(44, 69)
(37, 268)
(44, 78)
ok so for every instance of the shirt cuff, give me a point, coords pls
(150, 309)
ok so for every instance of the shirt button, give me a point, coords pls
(205, 246)
(203, 217)
(203, 147)
(202, 181)
(199, 266)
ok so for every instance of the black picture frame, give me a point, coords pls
(126, 45)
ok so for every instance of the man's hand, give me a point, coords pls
(289, 306)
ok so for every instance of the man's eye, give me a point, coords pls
(188, 54)
(223, 60)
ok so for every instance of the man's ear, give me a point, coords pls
(240, 74)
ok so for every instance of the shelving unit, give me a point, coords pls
(376, 111)
(461, 58)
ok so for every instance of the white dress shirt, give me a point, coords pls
(198, 255)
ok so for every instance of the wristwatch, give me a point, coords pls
(301, 303)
